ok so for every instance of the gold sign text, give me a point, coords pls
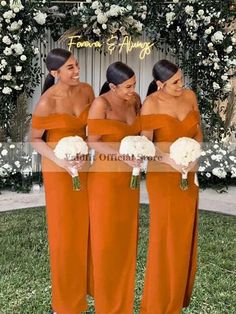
(126, 44)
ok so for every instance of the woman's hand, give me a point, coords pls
(131, 161)
(165, 157)
(69, 164)
(191, 166)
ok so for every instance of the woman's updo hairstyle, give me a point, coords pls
(117, 73)
(162, 71)
(54, 60)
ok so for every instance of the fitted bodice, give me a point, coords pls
(112, 132)
(167, 129)
(59, 125)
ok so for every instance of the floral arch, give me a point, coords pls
(198, 33)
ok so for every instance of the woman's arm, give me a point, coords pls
(147, 109)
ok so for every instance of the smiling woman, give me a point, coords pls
(59, 114)
(114, 219)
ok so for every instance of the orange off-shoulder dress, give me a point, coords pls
(114, 222)
(67, 218)
(171, 261)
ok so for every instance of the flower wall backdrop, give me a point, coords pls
(22, 23)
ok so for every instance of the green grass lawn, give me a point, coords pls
(24, 274)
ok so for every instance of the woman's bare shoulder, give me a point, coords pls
(98, 108)
(46, 104)
(150, 104)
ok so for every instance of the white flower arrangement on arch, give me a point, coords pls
(22, 23)
(98, 20)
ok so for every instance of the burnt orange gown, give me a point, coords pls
(114, 222)
(67, 218)
(171, 261)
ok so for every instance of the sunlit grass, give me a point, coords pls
(24, 274)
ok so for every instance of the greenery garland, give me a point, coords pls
(22, 23)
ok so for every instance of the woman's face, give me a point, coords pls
(174, 86)
(126, 89)
(69, 72)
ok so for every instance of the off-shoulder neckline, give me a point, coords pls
(118, 121)
(64, 114)
(170, 116)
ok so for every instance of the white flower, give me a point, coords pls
(207, 20)
(7, 51)
(6, 77)
(210, 46)
(216, 86)
(115, 10)
(193, 36)
(14, 26)
(216, 66)
(229, 49)
(233, 172)
(16, 87)
(233, 40)
(23, 58)
(170, 16)
(12, 146)
(209, 30)
(233, 158)
(6, 40)
(200, 12)
(17, 163)
(208, 174)
(3, 63)
(224, 77)
(95, 5)
(185, 150)
(138, 26)
(4, 152)
(35, 50)
(9, 15)
(7, 90)
(88, 1)
(129, 7)
(18, 68)
(3, 3)
(97, 31)
(201, 169)
(175, 1)
(19, 49)
(217, 37)
(143, 16)
(26, 171)
(102, 18)
(16, 5)
(69, 147)
(104, 26)
(189, 10)
(219, 172)
(137, 146)
(40, 18)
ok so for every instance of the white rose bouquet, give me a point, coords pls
(69, 148)
(138, 147)
(184, 151)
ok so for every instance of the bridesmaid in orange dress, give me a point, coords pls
(113, 205)
(62, 111)
(168, 113)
